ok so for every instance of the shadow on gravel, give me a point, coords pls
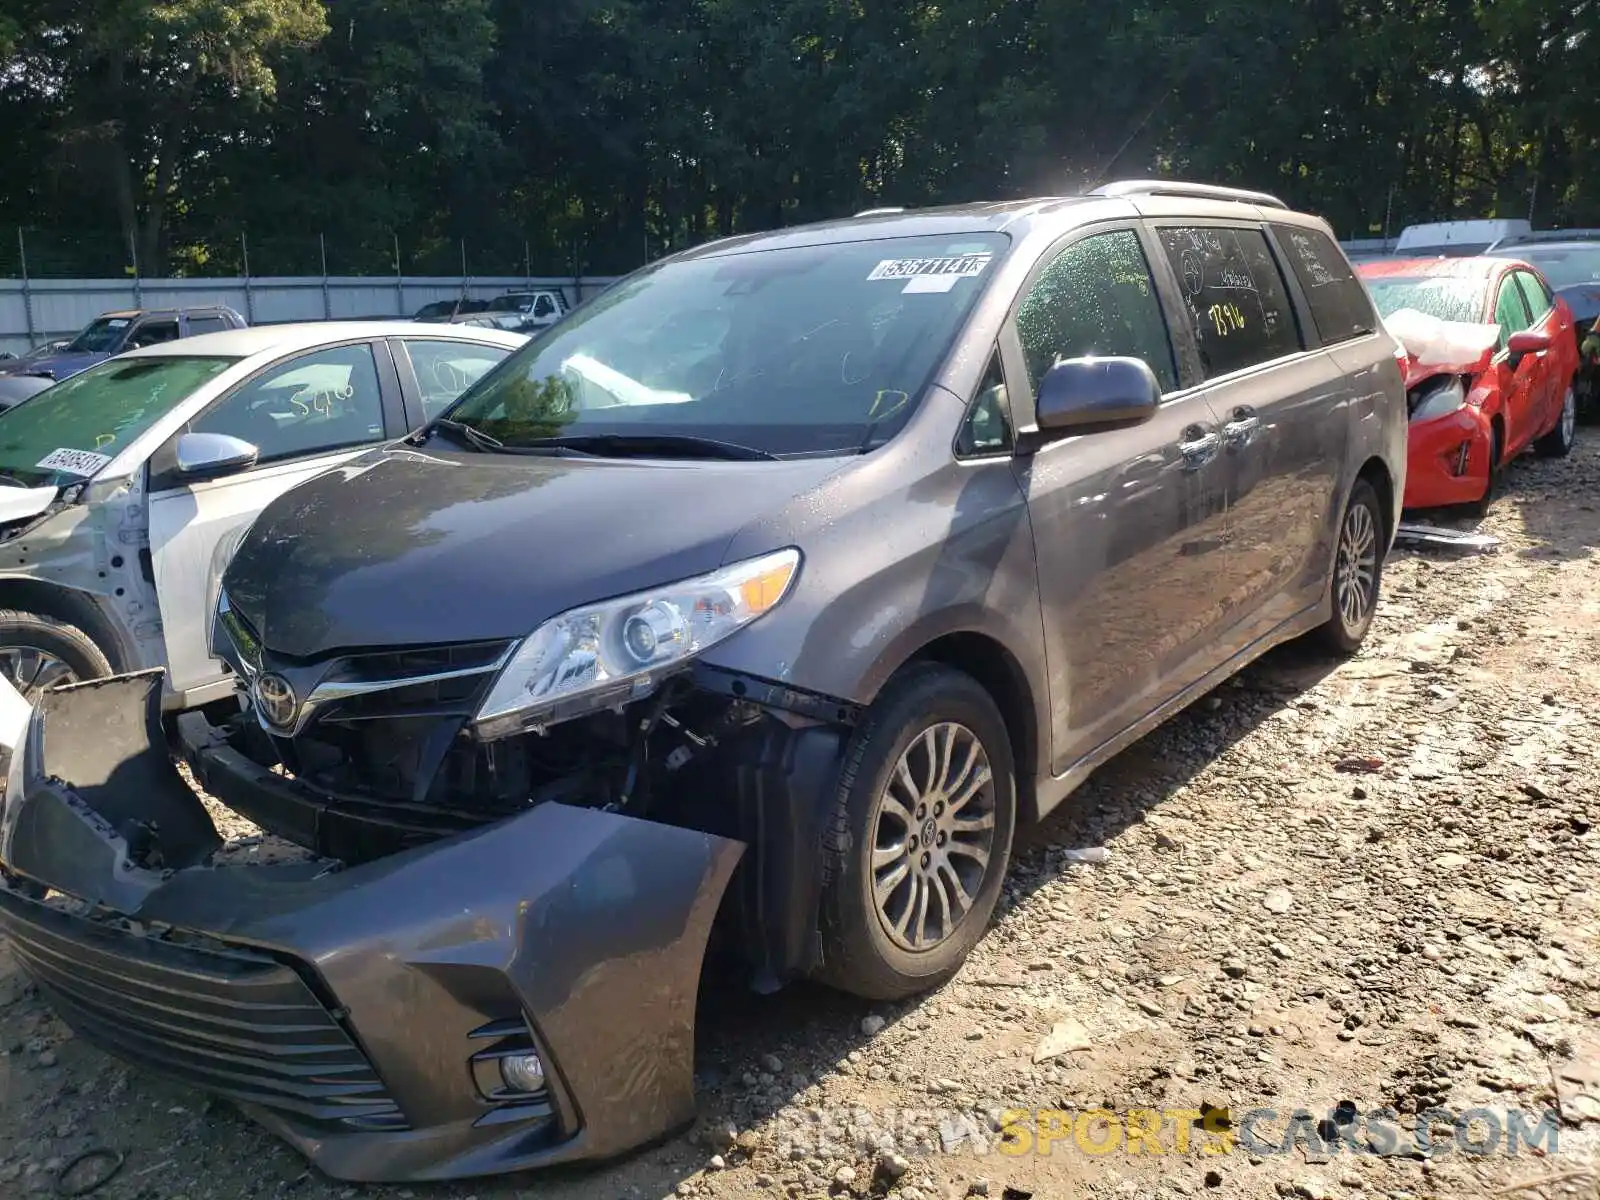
(1564, 517)
(755, 1054)
(1139, 780)
(1556, 501)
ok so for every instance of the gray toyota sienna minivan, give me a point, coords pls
(779, 583)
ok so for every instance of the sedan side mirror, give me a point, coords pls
(1083, 395)
(1529, 341)
(212, 455)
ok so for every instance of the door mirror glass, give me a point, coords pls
(210, 455)
(1079, 394)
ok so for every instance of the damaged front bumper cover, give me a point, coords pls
(360, 1012)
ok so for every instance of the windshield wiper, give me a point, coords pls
(623, 445)
(473, 436)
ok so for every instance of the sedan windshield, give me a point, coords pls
(797, 350)
(1448, 297)
(1567, 266)
(102, 336)
(68, 432)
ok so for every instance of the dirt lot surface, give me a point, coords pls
(1371, 886)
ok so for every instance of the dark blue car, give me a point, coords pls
(113, 333)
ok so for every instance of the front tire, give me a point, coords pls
(39, 652)
(918, 843)
(1357, 576)
(1558, 442)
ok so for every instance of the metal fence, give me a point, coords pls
(33, 311)
(54, 282)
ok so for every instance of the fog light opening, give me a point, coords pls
(522, 1073)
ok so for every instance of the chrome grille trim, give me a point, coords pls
(334, 691)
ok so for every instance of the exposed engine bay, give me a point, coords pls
(417, 773)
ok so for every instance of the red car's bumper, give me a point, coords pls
(1447, 459)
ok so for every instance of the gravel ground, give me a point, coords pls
(1327, 891)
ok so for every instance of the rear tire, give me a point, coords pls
(928, 787)
(39, 652)
(1559, 441)
(1357, 577)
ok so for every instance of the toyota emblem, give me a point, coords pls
(276, 701)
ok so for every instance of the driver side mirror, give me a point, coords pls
(1085, 395)
(1529, 341)
(212, 455)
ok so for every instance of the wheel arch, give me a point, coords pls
(1376, 472)
(73, 607)
(998, 671)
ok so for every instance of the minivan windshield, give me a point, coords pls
(789, 351)
(68, 432)
(100, 336)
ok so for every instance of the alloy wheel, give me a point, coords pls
(1569, 417)
(933, 837)
(33, 671)
(1356, 573)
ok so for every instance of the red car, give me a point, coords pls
(1474, 413)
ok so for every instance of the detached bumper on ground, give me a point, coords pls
(361, 1013)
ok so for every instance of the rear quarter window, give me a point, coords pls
(1339, 306)
(1237, 300)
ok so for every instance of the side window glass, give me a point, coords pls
(153, 333)
(1510, 313)
(1096, 298)
(199, 325)
(1339, 306)
(544, 306)
(987, 429)
(1236, 297)
(446, 369)
(1539, 301)
(326, 400)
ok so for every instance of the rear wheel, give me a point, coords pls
(920, 836)
(1357, 571)
(1558, 442)
(38, 653)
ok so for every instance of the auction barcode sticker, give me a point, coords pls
(83, 463)
(961, 266)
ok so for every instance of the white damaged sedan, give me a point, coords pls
(124, 489)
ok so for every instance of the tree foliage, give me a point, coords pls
(592, 134)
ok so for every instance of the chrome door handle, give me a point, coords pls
(1242, 431)
(1200, 449)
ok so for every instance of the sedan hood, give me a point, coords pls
(411, 548)
(53, 366)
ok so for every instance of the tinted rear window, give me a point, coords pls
(1339, 306)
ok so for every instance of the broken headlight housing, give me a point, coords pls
(1437, 397)
(605, 655)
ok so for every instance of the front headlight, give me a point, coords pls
(620, 650)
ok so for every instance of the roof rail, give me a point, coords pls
(1196, 191)
(880, 212)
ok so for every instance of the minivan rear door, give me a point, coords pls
(1284, 406)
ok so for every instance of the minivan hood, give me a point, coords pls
(403, 547)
